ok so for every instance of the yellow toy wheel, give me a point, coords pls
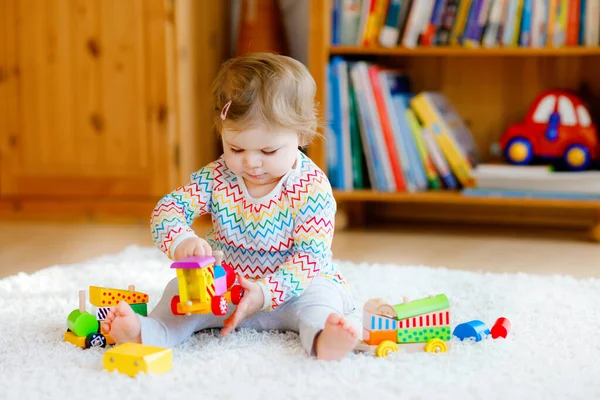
(436, 346)
(385, 348)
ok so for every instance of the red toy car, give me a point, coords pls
(558, 126)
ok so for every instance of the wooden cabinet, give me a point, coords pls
(105, 100)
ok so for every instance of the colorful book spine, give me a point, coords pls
(492, 31)
(376, 178)
(477, 21)
(441, 165)
(582, 22)
(526, 24)
(428, 36)
(375, 22)
(461, 22)
(592, 26)
(350, 20)
(435, 112)
(390, 33)
(417, 132)
(386, 128)
(448, 18)
(380, 161)
(573, 18)
(358, 154)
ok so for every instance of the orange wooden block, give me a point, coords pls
(376, 337)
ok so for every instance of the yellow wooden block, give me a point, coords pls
(133, 358)
(105, 297)
(78, 341)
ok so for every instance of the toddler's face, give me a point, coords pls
(261, 155)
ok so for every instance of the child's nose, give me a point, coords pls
(252, 161)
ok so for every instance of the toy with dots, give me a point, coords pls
(84, 328)
(419, 325)
(206, 285)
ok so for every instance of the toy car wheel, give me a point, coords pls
(237, 292)
(519, 151)
(577, 157)
(219, 305)
(174, 301)
(386, 348)
(95, 340)
(436, 346)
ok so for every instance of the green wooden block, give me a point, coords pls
(422, 306)
(141, 309)
(82, 323)
(422, 335)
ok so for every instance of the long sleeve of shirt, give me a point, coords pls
(314, 210)
(173, 215)
(281, 240)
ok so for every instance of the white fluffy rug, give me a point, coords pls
(551, 352)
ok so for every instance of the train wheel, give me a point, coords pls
(237, 292)
(174, 301)
(436, 346)
(386, 348)
(219, 305)
(95, 340)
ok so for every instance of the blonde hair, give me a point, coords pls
(265, 88)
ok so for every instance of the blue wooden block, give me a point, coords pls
(473, 329)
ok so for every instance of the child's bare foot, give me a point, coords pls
(337, 339)
(123, 324)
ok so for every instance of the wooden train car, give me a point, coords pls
(84, 328)
(205, 285)
(420, 325)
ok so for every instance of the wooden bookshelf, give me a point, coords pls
(491, 89)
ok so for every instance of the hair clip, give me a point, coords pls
(225, 109)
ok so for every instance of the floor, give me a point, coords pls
(27, 247)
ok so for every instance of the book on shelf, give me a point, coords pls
(381, 135)
(536, 181)
(469, 23)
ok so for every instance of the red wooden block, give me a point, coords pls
(500, 328)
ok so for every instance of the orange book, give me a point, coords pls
(386, 127)
(573, 14)
(375, 22)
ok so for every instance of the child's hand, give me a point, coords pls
(251, 302)
(192, 247)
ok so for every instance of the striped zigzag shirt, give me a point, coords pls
(282, 240)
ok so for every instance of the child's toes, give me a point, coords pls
(334, 319)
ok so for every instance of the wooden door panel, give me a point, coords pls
(91, 110)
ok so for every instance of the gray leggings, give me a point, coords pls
(305, 314)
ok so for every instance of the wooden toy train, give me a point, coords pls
(420, 325)
(84, 329)
(205, 285)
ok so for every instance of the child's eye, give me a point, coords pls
(236, 150)
(270, 152)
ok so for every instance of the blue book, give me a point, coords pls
(525, 37)
(582, 23)
(335, 159)
(527, 194)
